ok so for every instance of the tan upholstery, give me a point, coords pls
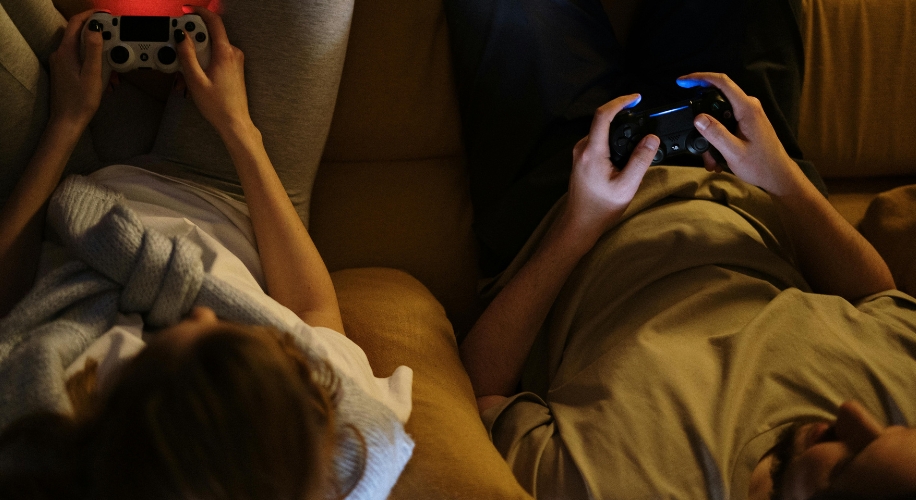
(398, 322)
(392, 190)
(890, 225)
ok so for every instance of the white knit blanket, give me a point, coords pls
(125, 267)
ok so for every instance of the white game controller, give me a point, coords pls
(146, 42)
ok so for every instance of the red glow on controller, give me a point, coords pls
(171, 8)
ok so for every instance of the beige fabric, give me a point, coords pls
(396, 321)
(392, 189)
(410, 215)
(857, 117)
(685, 341)
(890, 225)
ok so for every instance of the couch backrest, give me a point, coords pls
(858, 113)
(392, 189)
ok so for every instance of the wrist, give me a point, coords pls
(238, 130)
(576, 238)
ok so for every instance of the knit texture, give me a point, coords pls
(124, 267)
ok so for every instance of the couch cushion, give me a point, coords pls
(397, 322)
(410, 215)
(397, 99)
(857, 116)
(890, 225)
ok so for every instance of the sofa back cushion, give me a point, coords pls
(857, 114)
(392, 189)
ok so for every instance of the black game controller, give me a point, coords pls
(674, 127)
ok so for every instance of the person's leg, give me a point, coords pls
(30, 31)
(530, 75)
(294, 54)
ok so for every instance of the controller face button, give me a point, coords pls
(106, 35)
(95, 25)
(622, 142)
(201, 37)
(120, 54)
(144, 57)
(628, 132)
(167, 55)
(727, 115)
(179, 36)
(190, 26)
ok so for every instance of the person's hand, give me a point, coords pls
(219, 92)
(77, 86)
(754, 153)
(599, 192)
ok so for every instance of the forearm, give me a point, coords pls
(22, 218)
(295, 274)
(496, 348)
(834, 257)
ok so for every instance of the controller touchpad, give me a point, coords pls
(144, 29)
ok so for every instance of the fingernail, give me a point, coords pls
(95, 25)
(652, 142)
(179, 36)
(688, 83)
(701, 122)
(634, 103)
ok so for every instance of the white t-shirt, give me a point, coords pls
(222, 227)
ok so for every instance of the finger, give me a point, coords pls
(640, 161)
(190, 67)
(719, 136)
(740, 102)
(74, 28)
(219, 41)
(92, 58)
(601, 124)
(710, 162)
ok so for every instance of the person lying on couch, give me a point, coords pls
(679, 333)
(198, 363)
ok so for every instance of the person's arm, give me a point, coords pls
(833, 256)
(495, 349)
(76, 92)
(296, 275)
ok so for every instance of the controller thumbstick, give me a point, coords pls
(120, 54)
(659, 155)
(696, 143)
(166, 55)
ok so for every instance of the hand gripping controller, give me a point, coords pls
(673, 125)
(146, 42)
